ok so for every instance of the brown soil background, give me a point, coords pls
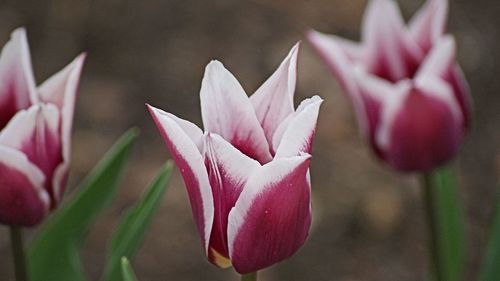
(368, 220)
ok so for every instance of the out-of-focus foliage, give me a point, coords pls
(491, 264)
(130, 232)
(55, 252)
(127, 271)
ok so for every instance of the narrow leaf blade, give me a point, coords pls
(127, 271)
(490, 270)
(130, 232)
(54, 252)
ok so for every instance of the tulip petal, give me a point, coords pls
(228, 171)
(295, 135)
(227, 111)
(35, 132)
(272, 216)
(441, 62)
(440, 58)
(333, 54)
(392, 54)
(273, 101)
(429, 23)
(461, 89)
(191, 165)
(190, 129)
(376, 93)
(423, 130)
(23, 200)
(61, 89)
(17, 83)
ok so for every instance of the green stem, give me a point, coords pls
(249, 277)
(16, 239)
(431, 207)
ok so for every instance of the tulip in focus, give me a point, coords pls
(247, 175)
(409, 94)
(35, 134)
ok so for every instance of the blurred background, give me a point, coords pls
(368, 221)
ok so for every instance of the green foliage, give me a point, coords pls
(127, 271)
(448, 225)
(54, 253)
(491, 264)
(130, 232)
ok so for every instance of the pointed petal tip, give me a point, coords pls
(214, 65)
(19, 34)
(79, 60)
(316, 98)
(157, 113)
(295, 49)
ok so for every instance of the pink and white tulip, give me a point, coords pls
(247, 175)
(409, 94)
(35, 134)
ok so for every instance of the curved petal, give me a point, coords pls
(440, 59)
(227, 111)
(61, 90)
(333, 54)
(228, 171)
(273, 101)
(429, 23)
(190, 162)
(23, 200)
(424, 130)
(190, 129)
(272, 216)
(377, 94)
(35, 132)
(296, 134)
(441, 62)
(391, 53)
(17, 83)
(456, 78)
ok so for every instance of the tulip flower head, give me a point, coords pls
(247, 175)
(35, 134)
(409, 94)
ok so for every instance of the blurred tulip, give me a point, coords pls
(35, 134)
(247, 176)
(410, 96)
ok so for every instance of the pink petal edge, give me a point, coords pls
(191, 165)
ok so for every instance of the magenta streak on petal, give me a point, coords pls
(225, 192)
(192, 186)
(218, 237)
(191, 180)
(246, 146)
(8, 106)
(20, 203)
(43, 149)
(424, 135)
(381, 67)
(227, 111)
(276, 225)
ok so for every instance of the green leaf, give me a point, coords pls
(127, 271)
(447, 225)
(130, 232)
(54, 253)
(490, 270)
